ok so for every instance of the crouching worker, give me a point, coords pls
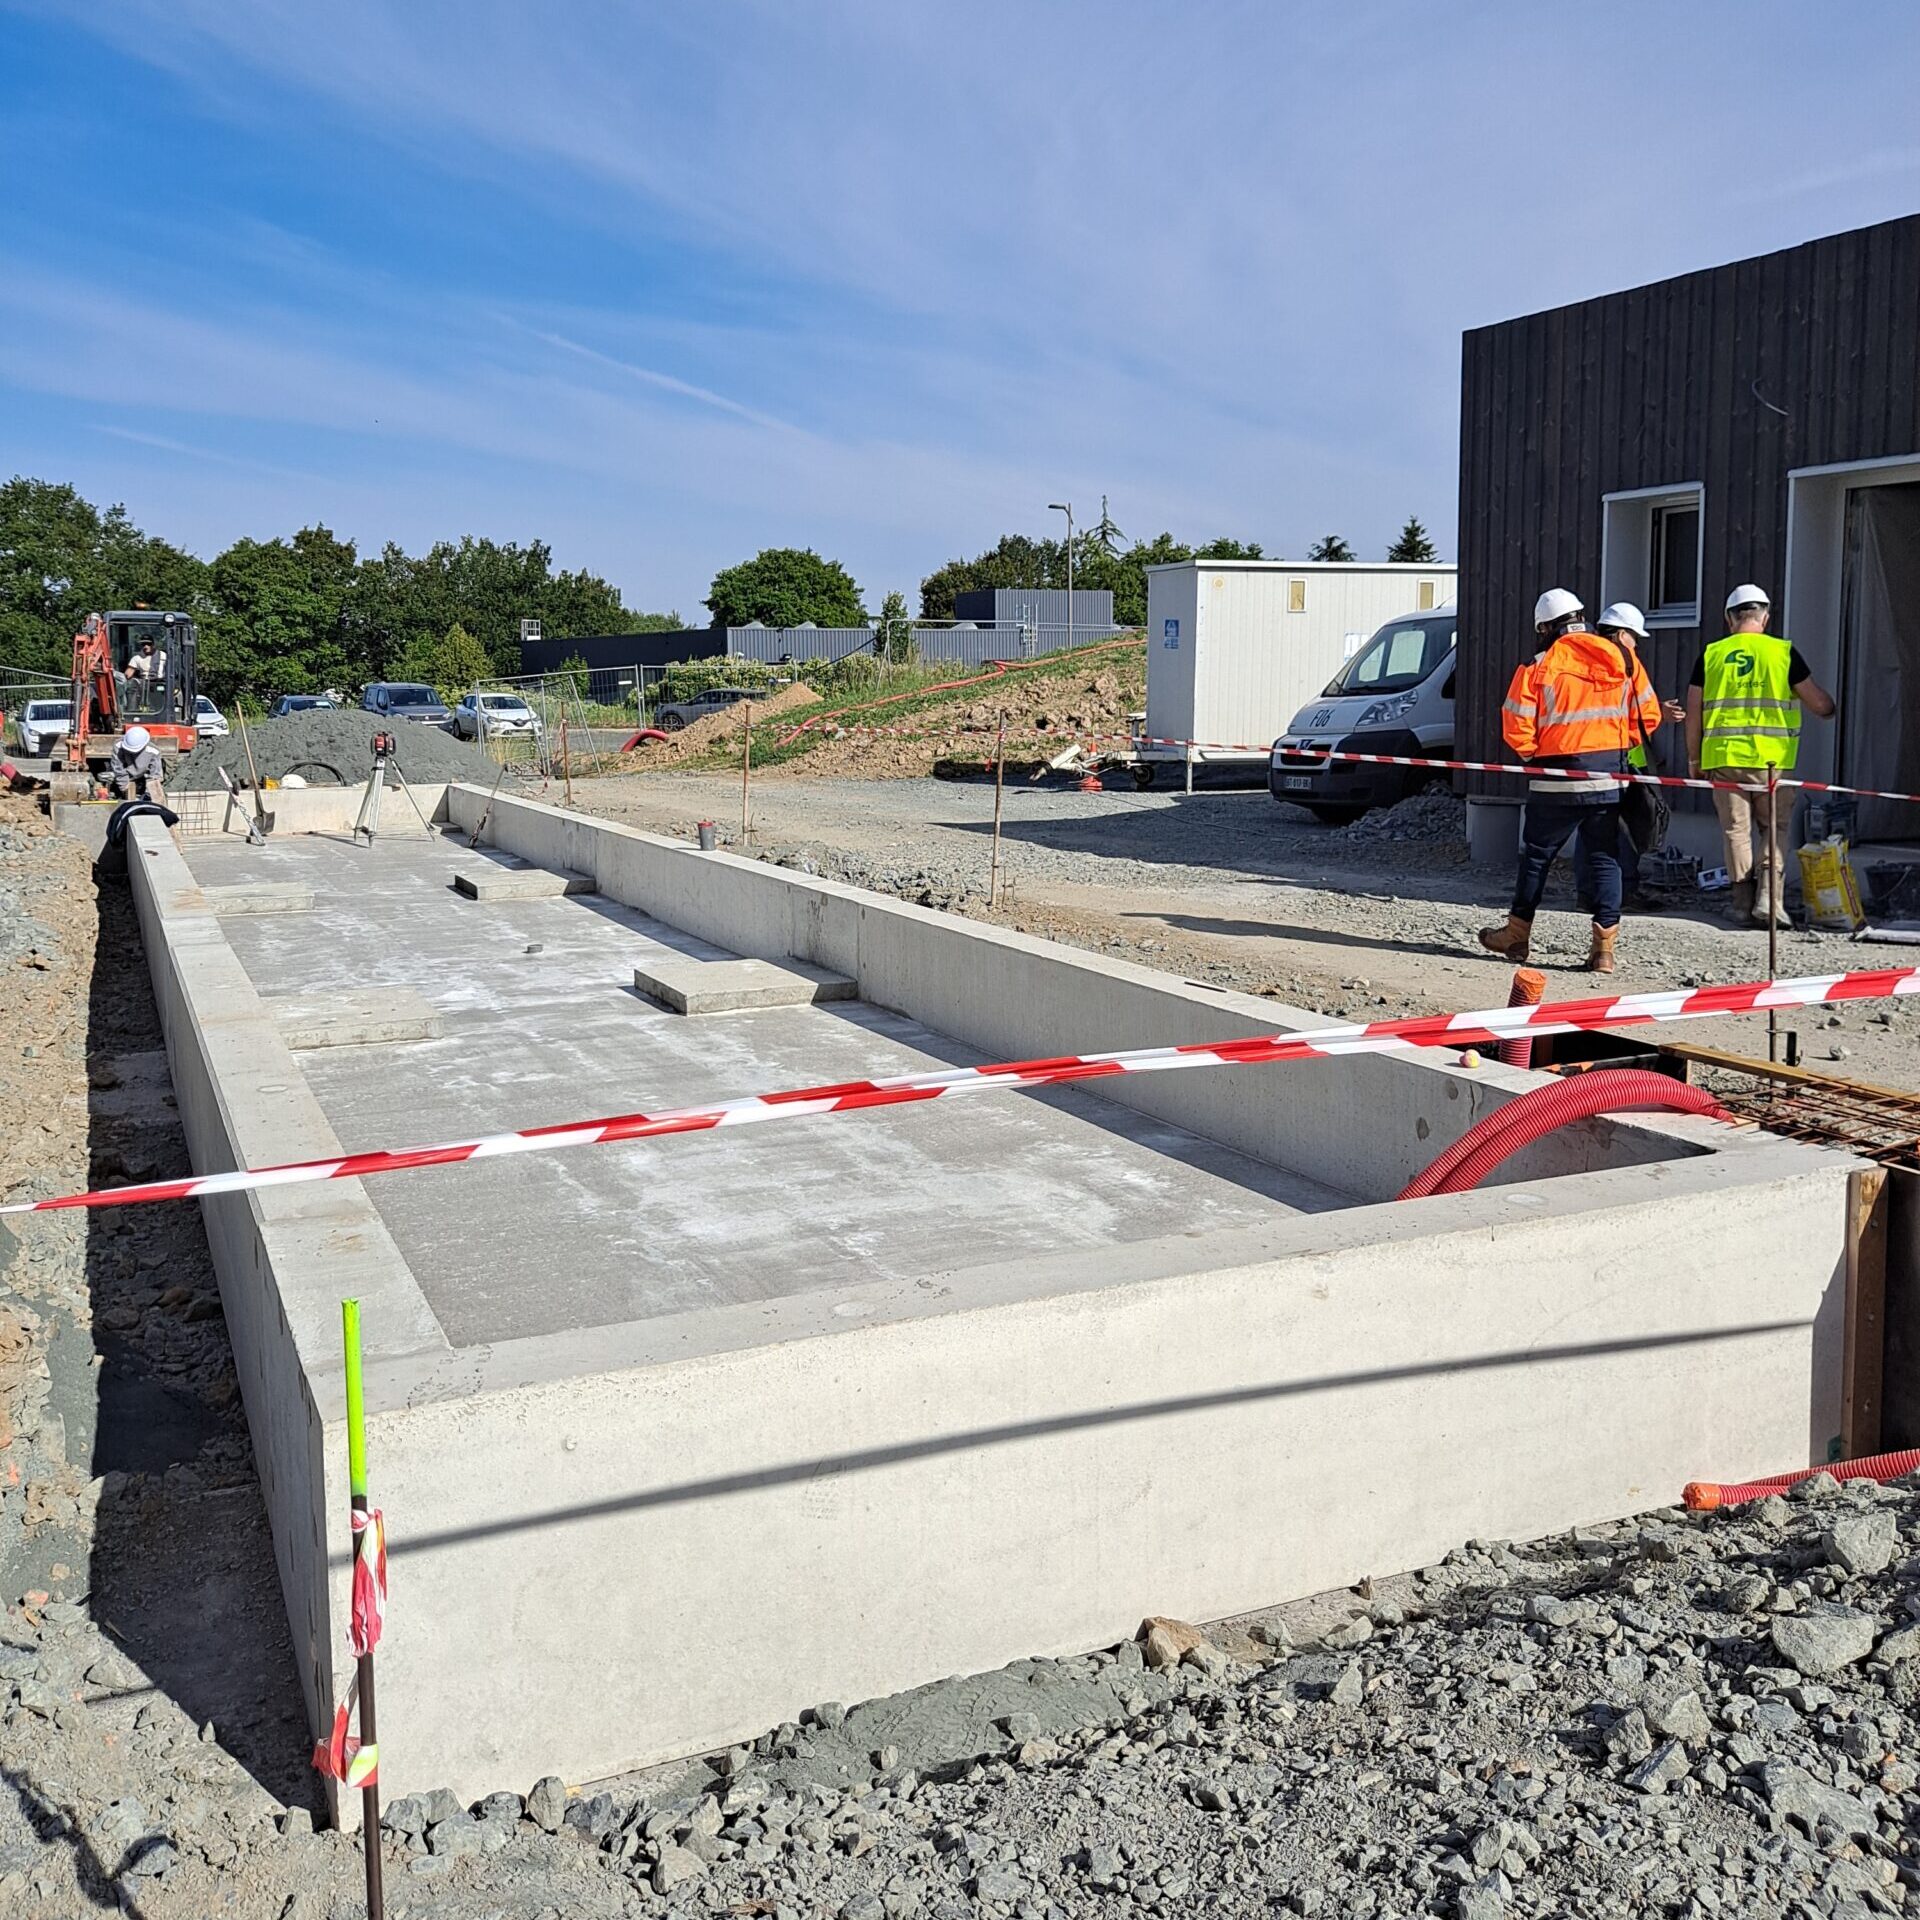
(134, 772)
(1578, 705)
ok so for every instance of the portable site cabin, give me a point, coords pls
(1236, 647)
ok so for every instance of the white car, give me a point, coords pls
(41, 724)
(503, 716)
(208, 720)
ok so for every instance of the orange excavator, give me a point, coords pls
(134, 668)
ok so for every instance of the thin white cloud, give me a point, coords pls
(652, 377)
(161, 443)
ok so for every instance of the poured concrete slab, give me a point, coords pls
(261, 896)
(762, 1416)
(733, 986)
(350, 1019)
(519, 883)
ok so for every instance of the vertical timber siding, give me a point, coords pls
(1731, 377)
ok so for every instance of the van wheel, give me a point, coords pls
(1143, 775)
(1335, 816)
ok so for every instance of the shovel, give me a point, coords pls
(262, 819)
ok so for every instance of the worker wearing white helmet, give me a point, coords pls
(1743, 720)
(135, 768)
(1625, 625)
(1573, 709)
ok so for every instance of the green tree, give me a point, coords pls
(449, 665)
(786, 587)
(896, 629)
(1225, 549)
(280, 622)
(61, 559)
(1330, 546)
(1414, 546)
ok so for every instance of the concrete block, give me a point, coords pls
(731, 986)
(352, 1019)
(521, 883)
(261, 896)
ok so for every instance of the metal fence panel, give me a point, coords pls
(965, 643)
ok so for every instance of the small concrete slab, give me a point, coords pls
(357, 1019)
(260, 896)
(521, 883)
(731, 986)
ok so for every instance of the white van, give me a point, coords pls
(1394, 696)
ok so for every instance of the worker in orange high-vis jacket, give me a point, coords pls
(1580, 704)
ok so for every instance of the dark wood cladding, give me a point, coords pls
(1731, 377)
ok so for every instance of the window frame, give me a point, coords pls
(1628, 521)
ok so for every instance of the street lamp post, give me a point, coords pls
(1066, 507)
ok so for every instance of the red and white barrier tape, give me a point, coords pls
(1490, 1024)
(985, 737)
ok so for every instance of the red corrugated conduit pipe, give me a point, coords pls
(1703, 1496)
(1520, 1122)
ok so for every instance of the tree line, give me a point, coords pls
(289, 615)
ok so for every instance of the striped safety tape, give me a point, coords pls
(1487, 1025)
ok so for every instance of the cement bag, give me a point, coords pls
(1827, 886)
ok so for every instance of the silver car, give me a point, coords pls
(42, 724)
(676, 714)
(495, 716)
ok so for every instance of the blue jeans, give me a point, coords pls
(1544, 831)
(1629, 868)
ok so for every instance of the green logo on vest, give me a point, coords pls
(1742, 662)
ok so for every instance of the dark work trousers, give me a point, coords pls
(1544, 832)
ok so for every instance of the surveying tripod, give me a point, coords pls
(384, 748)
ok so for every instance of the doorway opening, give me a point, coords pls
(1879, 719)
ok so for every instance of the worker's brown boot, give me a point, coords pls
(1511, 941)
(1600, 948)
(1740, 902)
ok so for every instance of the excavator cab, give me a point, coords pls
(135, 667)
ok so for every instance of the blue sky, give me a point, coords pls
(663, 285)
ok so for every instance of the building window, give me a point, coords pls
(1296, 596)
(1673, 588)
(1650, 552)
(1425, 601)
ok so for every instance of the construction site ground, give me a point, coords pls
(1228, 886)
(1680, 1715)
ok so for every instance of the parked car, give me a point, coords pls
(495, 716)
(208, 719)
(300, 703)
(42, 723)
(676, 714)
(406, 700)
(1394, 696)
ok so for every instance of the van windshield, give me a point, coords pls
(1399, 656)
(412, 697)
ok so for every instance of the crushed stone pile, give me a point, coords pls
(330, 748)
(1435, 815)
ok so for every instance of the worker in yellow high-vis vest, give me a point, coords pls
(1743, 718)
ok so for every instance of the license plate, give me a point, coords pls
(1297, 782)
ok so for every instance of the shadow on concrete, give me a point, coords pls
(1294, 930)
(1019, 1432)
(182, 1576)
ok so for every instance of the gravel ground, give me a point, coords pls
(320, 744)
(1365, 921)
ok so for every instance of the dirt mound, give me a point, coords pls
(716, 728)
(1045, 713)
(330, 748)
(1436, 815)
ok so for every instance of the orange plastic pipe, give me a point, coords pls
(1706, 1496)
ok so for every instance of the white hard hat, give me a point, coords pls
(1555, 604)
(1747, 596)
(1623, 613)
(137, 739)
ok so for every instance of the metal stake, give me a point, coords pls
(999, 783)
(357, 1492)
(566, 758)
(746, 777)
(1773, 906)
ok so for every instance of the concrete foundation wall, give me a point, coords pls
(619, 1544)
